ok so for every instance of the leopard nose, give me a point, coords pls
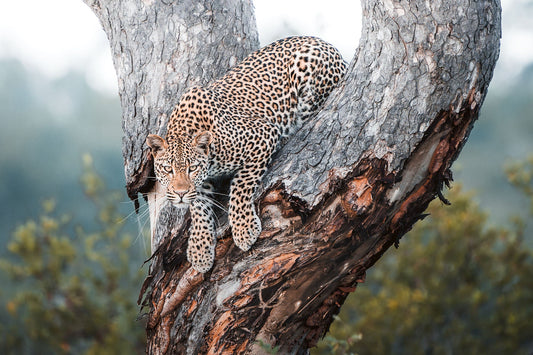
(181, 193)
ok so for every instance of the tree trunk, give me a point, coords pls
(345, 188)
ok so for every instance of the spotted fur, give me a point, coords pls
(233, 126)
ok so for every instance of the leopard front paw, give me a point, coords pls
(201, 250)
(246, 230)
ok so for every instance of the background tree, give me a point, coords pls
(72, 286)
(348, 185)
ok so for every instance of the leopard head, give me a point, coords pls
(181, 164)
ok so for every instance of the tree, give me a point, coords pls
(344, 189)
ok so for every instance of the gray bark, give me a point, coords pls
(345, 188)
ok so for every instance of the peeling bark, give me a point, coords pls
(344, 189)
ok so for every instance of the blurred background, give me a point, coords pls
(71, 249)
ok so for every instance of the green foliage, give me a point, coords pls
(520, 174)
(455, 286)
(72, 291)
(46, 126)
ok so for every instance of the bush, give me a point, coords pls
(70, 290)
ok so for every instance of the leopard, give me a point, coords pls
(232, 127)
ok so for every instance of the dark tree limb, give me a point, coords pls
(344, 189)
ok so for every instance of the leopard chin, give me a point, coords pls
(179, 202)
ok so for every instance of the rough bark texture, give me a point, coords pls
(338, 195)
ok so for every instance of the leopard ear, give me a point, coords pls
(202, 140)
(156, 143)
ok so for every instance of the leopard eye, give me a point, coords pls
(193, 168)
(167, 168)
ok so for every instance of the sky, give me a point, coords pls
(61, 35)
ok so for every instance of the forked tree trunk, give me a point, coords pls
(345, 188)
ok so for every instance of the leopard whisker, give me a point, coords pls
(217, 193)
(213, 202)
